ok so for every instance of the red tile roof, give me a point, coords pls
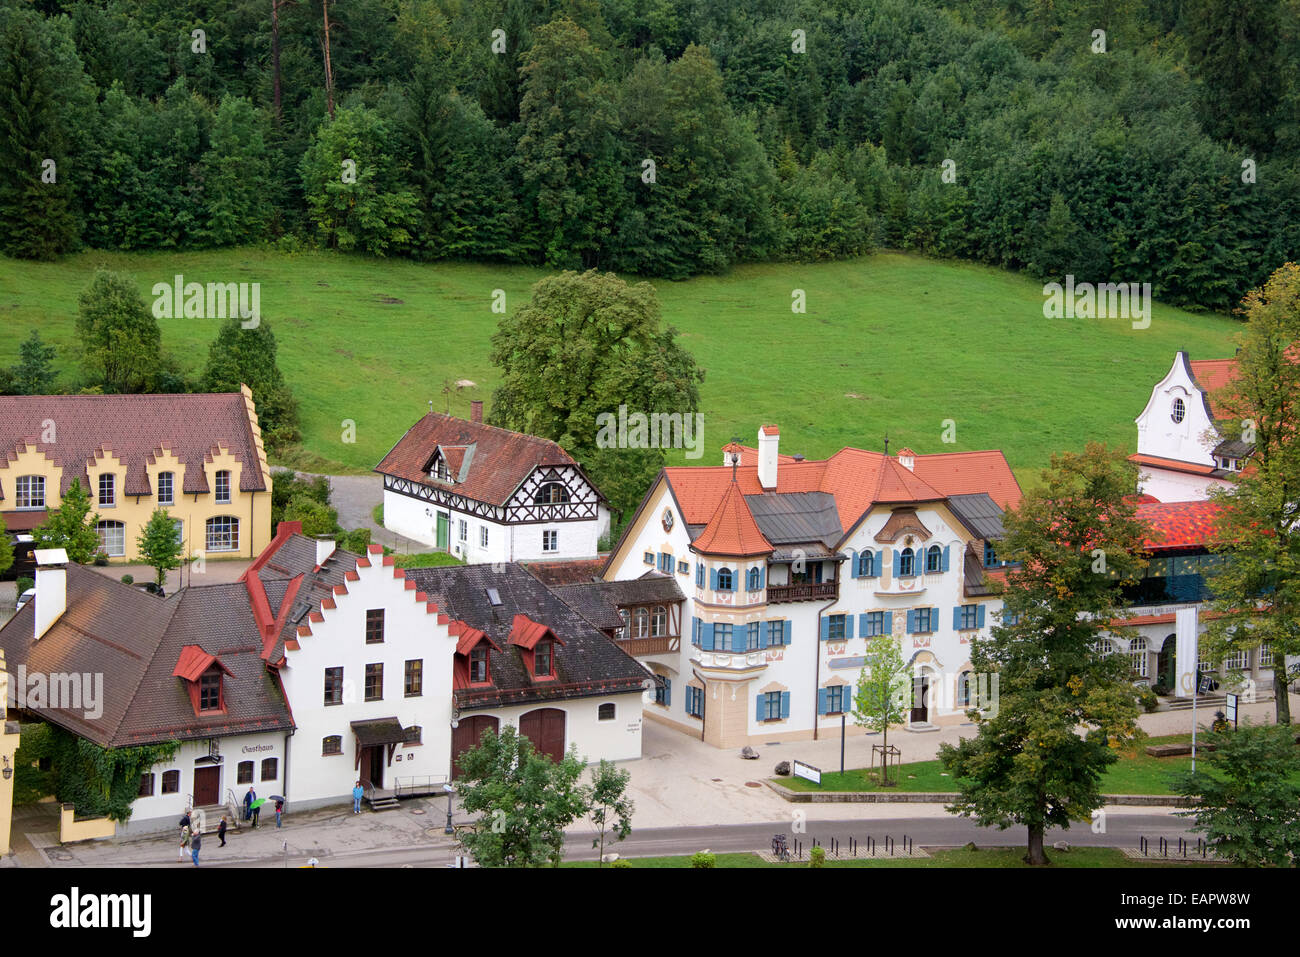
(527, 633)
(501, 459)
(193, 661)
(1179, 524)
(1212, 375)
(731, 529)
(1173, 465)
(134, 428)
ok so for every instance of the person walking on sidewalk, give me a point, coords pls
(196, 843)
(221, 832)
(357, 794)
(249, 798)
(279, 811)
(185, 841)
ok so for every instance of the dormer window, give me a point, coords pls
(542, 660)
(210, 691)
(223, 487)
(1179, 411)
(107, 490)
(479, 666)
(440, 469)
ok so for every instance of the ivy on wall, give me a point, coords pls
(102, 782)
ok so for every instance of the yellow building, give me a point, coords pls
(8, 745)
(198, 457)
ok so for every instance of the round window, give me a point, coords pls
(1180, 410)
(668, 519)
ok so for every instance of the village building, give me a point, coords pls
(198, 457)
(788, 567)
(1180, 451)
(317, 669)
(489, 495)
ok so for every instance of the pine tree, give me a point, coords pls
(34, 372)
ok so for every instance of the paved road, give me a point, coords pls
(355, 497)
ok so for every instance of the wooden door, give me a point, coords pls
(545, 728)
(374, 765)
(207, 785)
(467, 734)
(920, 691)
(442, 529)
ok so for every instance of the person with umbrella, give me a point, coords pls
(279, 808)
(256, 808)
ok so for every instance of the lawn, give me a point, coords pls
(952, 857)
(890, 343)
(1136, 772)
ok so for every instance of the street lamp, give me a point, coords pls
(450, 791)
(8, 772)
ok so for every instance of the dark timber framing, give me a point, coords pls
(519, 509)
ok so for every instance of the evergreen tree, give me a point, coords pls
(34, 372)
(235, 173)
(120, 341)
(248, 357)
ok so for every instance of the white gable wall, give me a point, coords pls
(1191, 440)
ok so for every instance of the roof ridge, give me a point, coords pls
(496, 428)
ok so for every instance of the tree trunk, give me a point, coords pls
(329, 71)
(1282, 701)
(1035, 855)
(884, 757)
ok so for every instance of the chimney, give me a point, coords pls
(907, 459)
(476, 410)
(768, 437)
(324, 549)
(51, 599)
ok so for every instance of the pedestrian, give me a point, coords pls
(257, 810)
(185, 841)
(221, 831)
(196, 843)
(357, 794)
(279, 811)
(249, 798)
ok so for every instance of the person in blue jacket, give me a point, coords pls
(249, 798)
(357, 794)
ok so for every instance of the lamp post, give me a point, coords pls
(450, 791)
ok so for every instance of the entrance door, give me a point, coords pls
(920, 694)
(1166, 669)
(545, 728)
(207, 785)
(443, 524)
(467, 734)
(373, 765)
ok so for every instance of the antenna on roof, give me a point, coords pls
(735, 459)
(431, 407)
(886, 443)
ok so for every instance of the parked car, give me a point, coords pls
(24, 598)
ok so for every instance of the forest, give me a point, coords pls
(1116, 140)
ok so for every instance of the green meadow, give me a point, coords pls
(890, 344)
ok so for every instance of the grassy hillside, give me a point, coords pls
(889, 344)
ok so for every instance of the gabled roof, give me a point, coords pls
(1179, 525)
(1212, 375)
(135, 428)
(599, 602)
(526, 633)
(731, 530)
(469, 637)
(493, 462)
(194, 661)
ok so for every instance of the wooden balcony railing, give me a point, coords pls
(650, 646)
(806, 592)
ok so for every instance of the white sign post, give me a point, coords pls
(807, 772)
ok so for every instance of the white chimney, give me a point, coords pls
(324, 549)
(51, 599)
(907, 459)
(768, 437)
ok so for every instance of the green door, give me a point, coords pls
(442, 530)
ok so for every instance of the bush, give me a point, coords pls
(704, 859)
(621, 862)
(1148, 698)
(25, 583)
(377, 513)
(101, 558)
(128, 579)
(817, 857)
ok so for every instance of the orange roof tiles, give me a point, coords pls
(732, 529)
(1179, 524)
(1212, 375)
(1174, 465)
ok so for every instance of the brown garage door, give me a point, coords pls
(467, 735)
(545, 728)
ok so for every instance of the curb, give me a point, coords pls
(945, 797)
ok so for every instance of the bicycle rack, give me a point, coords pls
(1143, 845)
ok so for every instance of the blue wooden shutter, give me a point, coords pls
(898, 562)
(853, 563)
(879, 568)
(668, 692)
(848, 626)
(758, 708)
(944, 565)
(706, 636)
(821, 700)
(695, 628)
(762, 576)
(713, 579)
(979, 621)
(764, 634)
(889, 623)
(785, 704)
(847, 701)
(739, 637)
(862, 624)
(956, 617)
(826, 628)
(911, 620)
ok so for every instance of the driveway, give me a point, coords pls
(355, 497)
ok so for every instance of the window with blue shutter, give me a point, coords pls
(753, 579)
(725, 580)
(956, 617)
(785, 704)
(699, 574)
(907, 562)
(911, 621)
(835, 627)
(706, 636)
(966, 617)
(826, 629)
(649, 558)
(722, 636)
(933, 558)
(945, 558)
(713, 579)
(866, 563)
(848, 626)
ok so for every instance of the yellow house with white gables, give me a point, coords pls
(198, 457)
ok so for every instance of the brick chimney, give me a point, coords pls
(768, 438)
(51, 599)
(476, 410)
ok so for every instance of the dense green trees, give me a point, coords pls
(248, 356)
(121, 347)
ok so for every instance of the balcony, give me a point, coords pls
(650, 646)
(734, 661)
(806, 592)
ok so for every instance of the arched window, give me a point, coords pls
(724, 579)
(753, 579)
(963, 689)
(627, 622)
(222, 534)
(933, 559)
(552, 493)
(907, 563)
(659, 622)
(866, 564)
(1105, 647)
(1137, 653)
(112, 538)
(1179, 411)
(331, 744)
(642, 623)
(605, 712)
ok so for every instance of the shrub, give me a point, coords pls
(704, 859)
(1150, 701)
(817, 857)
(128, 579)
(25, 583)
(621, 862)
(101, 558)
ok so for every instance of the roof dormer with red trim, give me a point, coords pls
(203, 676)
(473, 662)
(536, 643)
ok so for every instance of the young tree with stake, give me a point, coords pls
(882, 693)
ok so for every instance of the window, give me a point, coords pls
(663, 691)
(331, 744)
(648, 558)
(753, 576)
(552, 493)
(112, 538)
(542, 660)
(934, 559)
(659, 622)
(836, 700)
(627, 623)
(440, 469)
(1010, 618)
(166, 491)
(1105, 647)
(333, 686)
(751, 636)
(665, 563)
(171, 782)
(835, 628)
(867, 564)
(722, 636)
(1265, 656)
(146, 786)
(695, 702)
(699, 575)
(642, 624)
(1137, 653)
(375, 626)
(30, 491)
(462, 530)
(771, 706)
(375, 682)
(907, 563)
(1179, 411)
(875, 624)
(222, 487)
(990, 556)
(478, 664)
(413, 735)
(969, 617)
(107, 496)
(550, 541)
(605, 712)
(724, 579)
(270, 769)
(483, 536)
(778, 632)
(1237, 661)
(222, 534)
(926, 620)
(683, 568)
(963, 690)
(210, 691)
(415, 678)
(244, 773)
(178, 527)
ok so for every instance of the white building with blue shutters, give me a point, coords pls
(790, 567)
